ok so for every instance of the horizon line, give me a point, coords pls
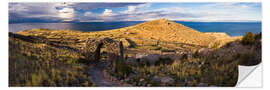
(135, 21)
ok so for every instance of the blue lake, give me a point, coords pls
(231, 28)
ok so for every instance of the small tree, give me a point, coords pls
(248, 39)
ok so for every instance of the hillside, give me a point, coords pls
(156, 53)
(157, 34)
(164, 30)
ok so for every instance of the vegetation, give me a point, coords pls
(43, 57)
(121, 70)
(188, 72)
(248, 39)
(253, 56)
(39, 64)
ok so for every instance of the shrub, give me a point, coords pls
(164, 61)
(258, 36)
(185, 56)
(196, 54)
(216, 45)
(122, 69)
(248, 39)
(166, 50)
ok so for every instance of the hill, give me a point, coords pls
(156, 34)
(156, 53)
(165, 30)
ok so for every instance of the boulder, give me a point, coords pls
(167, 80)
(141, 80)
(202, 85)
(204, 51)
(151, 58)
(131, 60)
(139, 55)
(156, 79)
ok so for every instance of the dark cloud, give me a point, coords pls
(46, 12)
(33, 12)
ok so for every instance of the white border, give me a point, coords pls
(4, 39)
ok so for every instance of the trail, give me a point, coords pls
(97, 76)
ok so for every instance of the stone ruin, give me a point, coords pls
(113, 48)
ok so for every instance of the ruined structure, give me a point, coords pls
(113, 48)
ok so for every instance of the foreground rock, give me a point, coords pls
(167, 80)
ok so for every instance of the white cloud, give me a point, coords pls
(134, 12)
(66, 13)
(130, 9)
(88, 13)
(108, 12)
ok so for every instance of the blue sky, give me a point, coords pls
(103, 12)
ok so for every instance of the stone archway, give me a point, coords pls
(113, 48)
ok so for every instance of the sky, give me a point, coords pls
(110, 12)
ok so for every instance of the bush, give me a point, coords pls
(164, 61)
(248, 39)
(185, 56)
(196, 54)
(258, 36)
(216, 45)
(122, 69)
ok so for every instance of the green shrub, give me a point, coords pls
(248, 39)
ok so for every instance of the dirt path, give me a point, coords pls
(97, 76)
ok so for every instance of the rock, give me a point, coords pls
(189, 83)
(131, 60)
(167, 80)
(127, 79)
(156, 79)
(202, 85)
(134, 83)
(141, 80)
(131, 75)
(149, 85)
(151, 58)
(113, 47)
(171, 56)
(140, 55)
(127, 85)
(204, 51)
(147, 59)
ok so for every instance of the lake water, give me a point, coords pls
(231, 28)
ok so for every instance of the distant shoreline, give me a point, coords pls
(231, 28)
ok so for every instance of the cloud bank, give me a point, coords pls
(102, 12)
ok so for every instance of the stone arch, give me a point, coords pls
(113, 48)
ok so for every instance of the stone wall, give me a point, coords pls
(114, 49)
